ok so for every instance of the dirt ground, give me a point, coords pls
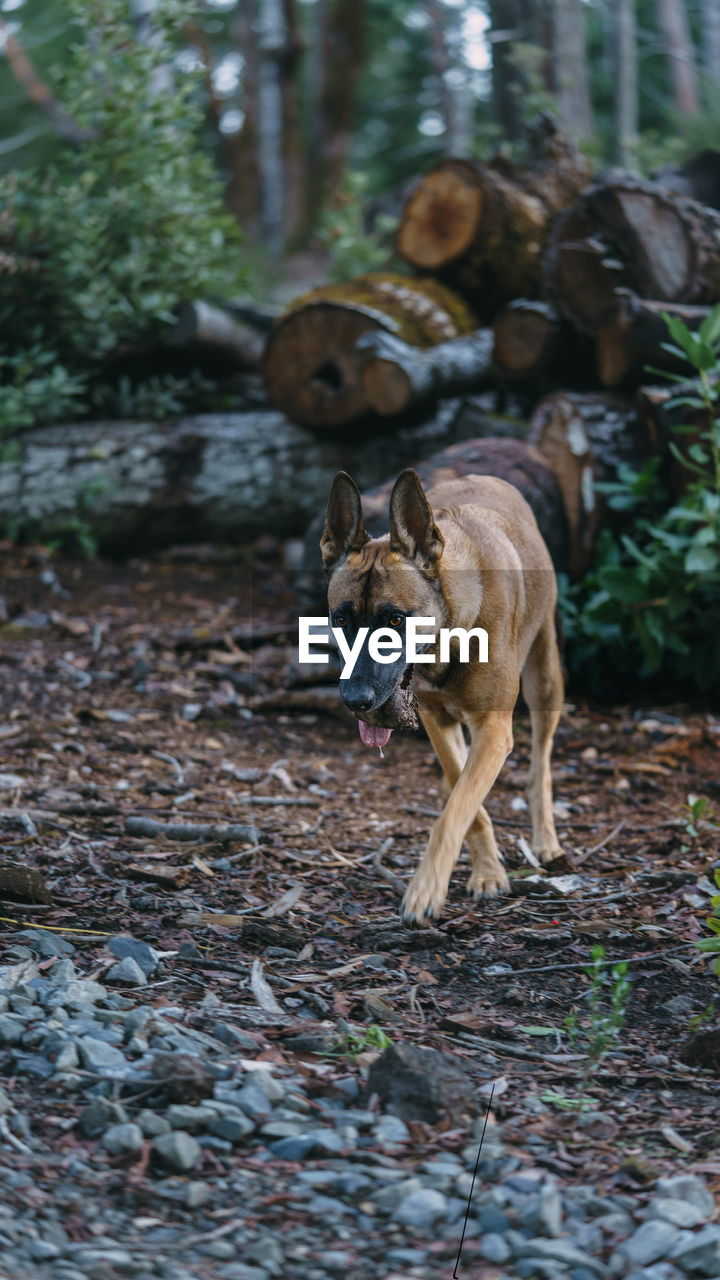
(127, 692)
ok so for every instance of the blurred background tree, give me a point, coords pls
(296, 92)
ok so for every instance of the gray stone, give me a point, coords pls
(699, 1255)
(98, 1260)
(124, 946)
(127, 972)
(682, 1213)
(549, 1209)
(686, 1186)
(233, 1128)
(233, 1036)
(47, 944)
(494, 1248)
(563, 1251)
(298, 1148)
(99, 1115)
(81, 992)
(43, 1250)
(659, 1271)
(239, 1271)
(268, 1252)
(407, 1257)
(254, 1102)
(11, 1029)
(62, 971)
(389, 1198)
(421, 1209)
(391, 1131)
(193, 1119)
(618, 1223)
(197, 1194)
(96, 1055)
(220, 1249)
(177, 1150)
(121, 1139)
(152, 1124)
(652, 1241)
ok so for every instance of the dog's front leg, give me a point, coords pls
(427, 891)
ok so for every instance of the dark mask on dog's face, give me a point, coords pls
(379, 583)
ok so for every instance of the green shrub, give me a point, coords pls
(354, 249)
(120, 230)
(650, 604)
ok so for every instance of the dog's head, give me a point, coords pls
(380, 583)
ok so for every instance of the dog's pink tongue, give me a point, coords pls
(372, 735)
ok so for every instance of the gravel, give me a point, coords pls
(186, 1157)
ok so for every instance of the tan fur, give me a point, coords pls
(493, 571)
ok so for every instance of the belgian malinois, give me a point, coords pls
(469, 554)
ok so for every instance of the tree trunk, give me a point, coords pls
(711, 43)
(481, 228)
(271, 132)
(681, 54)
(312, 366)
(241, 150)
(343, 46)
(584, 439)
(633, 337)
(526, 336)
(626, 83)
(397, 376)
(571, 77)
(224, 477)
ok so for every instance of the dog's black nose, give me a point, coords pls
(359, 699)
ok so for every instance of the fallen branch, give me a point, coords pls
(195, 831)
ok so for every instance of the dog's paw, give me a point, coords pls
(488, 882)
(548, 853)
(424, 897)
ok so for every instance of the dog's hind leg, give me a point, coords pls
(491, 743)
(542, 687)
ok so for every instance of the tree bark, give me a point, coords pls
(711, 42)
(633, 337)
(584, 439)
(626, 83)
(397, 376)
(481, 228)
(681, 54)
(271, 133)
(343, 47)
(224, 477)
(571, 77)
(581, 275)
(526, 336)
(670, 245)
(312, 366)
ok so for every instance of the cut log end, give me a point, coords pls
(312, 368)
(526, 336)
(441, 217)
(387, 387)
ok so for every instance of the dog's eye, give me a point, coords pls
(396, 619)
(340, 620)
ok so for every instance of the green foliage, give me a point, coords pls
(118, 230)
(354, 249)
(698, 815)
(354, 1043)
(712, 945)
(651, 601)
(598, 1033)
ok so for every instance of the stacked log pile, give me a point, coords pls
(568, 280)
(535, 310)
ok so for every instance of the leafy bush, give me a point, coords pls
(98, 250)
(356, 250)
(651, 602)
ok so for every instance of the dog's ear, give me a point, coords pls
(344, 524)
(413, 531)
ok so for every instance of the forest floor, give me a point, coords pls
(126, 693)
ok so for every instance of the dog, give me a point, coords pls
(467, 554)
